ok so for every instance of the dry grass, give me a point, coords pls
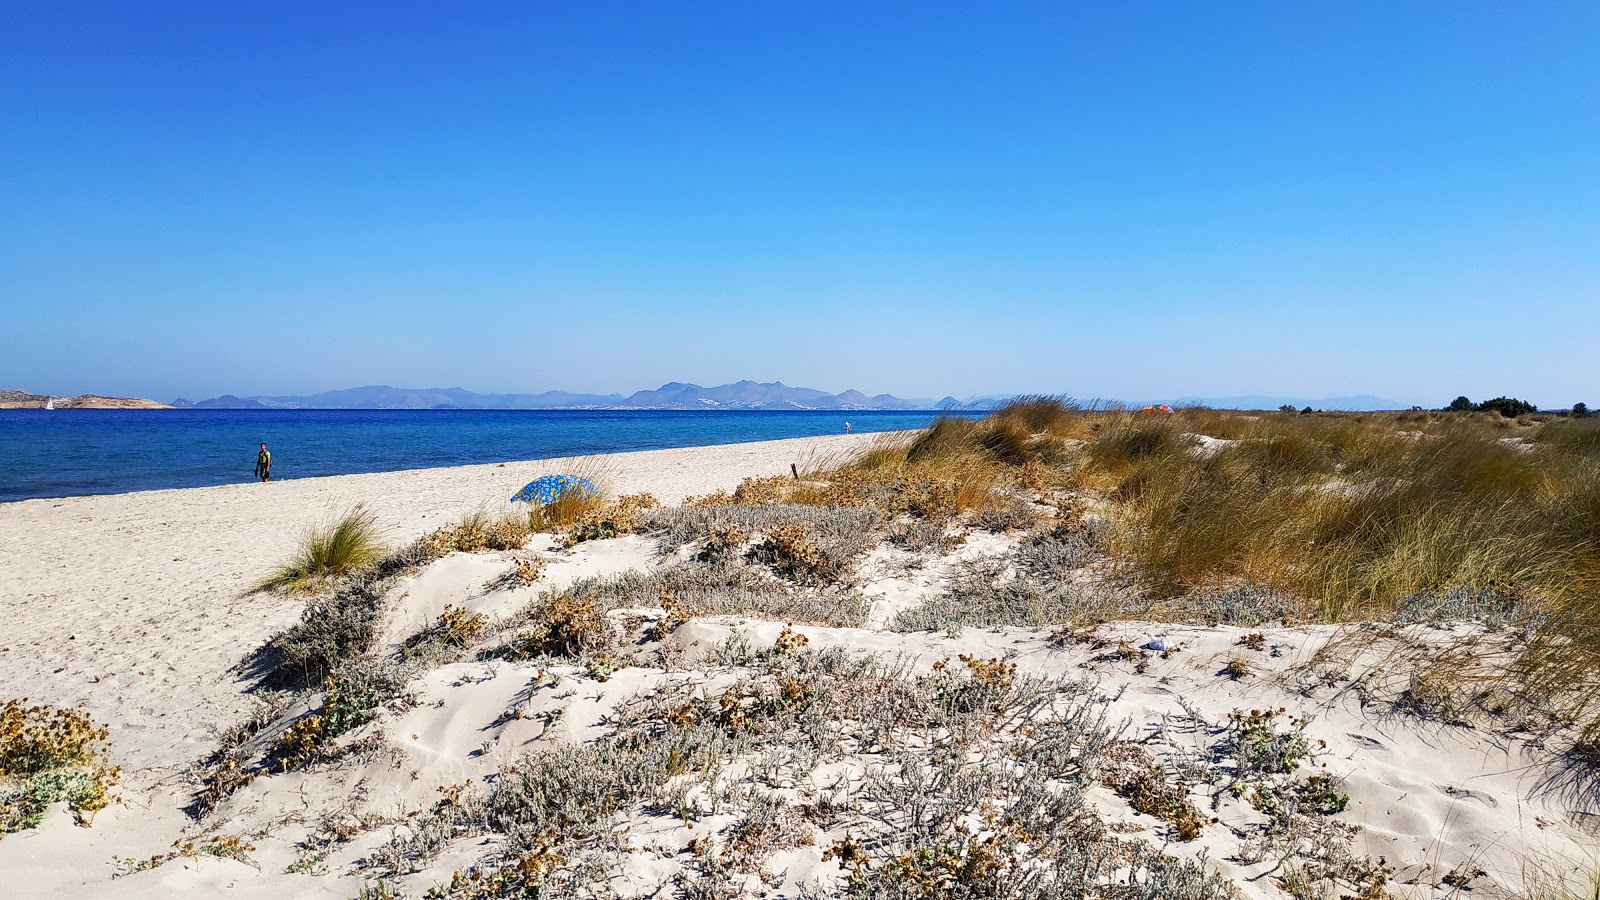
(563, 511)
(573, 505)
(1355, 521)
(956, 468)
(345, 546)
(1546, 880)
(1364, 516)
(1252, 518)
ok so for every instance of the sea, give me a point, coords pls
(72, 452)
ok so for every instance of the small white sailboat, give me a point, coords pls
(49, 403)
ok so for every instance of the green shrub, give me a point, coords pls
(1510, 407)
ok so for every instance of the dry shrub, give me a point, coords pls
(673, 614)
(218, 846)
(331, 632)
(841, 534)
(727, 588)
(477, 532)
(565, 625)
(974, 788)
(350, 699)
(345, 546)
(458, 627)
(793, 553)
(610, 519)
(1034, 586)
(48, 755)
(524, 572)
(761, 491)
(1129, 770)
(722, 541)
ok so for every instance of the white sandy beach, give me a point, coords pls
(132, 608)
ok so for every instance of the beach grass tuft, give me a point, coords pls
(347, 545)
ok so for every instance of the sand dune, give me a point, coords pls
(131, 607)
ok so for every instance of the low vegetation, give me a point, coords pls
(968, 742)
(479, 531)
(51, 755)
(969, 779)
(344, 547)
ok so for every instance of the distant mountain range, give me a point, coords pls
(673, 395)
(1358, 403)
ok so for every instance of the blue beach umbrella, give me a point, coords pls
(546, 489)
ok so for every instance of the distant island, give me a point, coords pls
(25, 400)
(673, 395)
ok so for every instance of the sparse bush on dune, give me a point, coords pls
(611, 518)
(840, 534)
(1033, 587)
(794, 553)
(478, 531)
(331, 631)
(565, 624)
(725, 759)
(51, 755)
(349, 544)
(719, 588)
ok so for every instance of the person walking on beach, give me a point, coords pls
(264, 463)
(847, 428)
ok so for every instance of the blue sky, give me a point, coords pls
(1114, 200)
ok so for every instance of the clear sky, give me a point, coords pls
(1112, 199)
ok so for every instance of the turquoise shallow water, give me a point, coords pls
(64, 453)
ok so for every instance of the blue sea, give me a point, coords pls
(63, 453)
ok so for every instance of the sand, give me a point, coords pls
(132, 608)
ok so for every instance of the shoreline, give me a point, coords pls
(804, 454)
(60, 459)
